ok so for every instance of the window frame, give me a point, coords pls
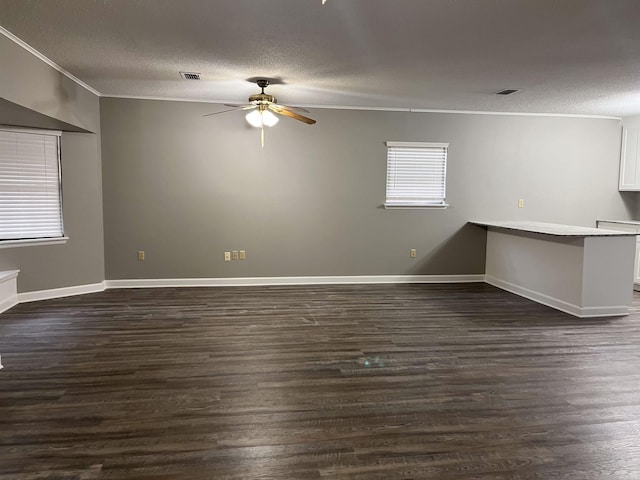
(425, 203)
(51, 240)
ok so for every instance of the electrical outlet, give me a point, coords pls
(141, 255)
(412, 253)
(227, 256)
(243, 255)
(521, 203)
(234, 255)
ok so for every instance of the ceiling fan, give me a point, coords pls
(262, 108)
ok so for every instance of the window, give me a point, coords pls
(30, 187)
(416, 174)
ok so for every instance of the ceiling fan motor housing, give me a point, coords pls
(262, 98)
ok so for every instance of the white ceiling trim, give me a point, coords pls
(48, 61)
(525, 114)
(174, 99)
(367, 109)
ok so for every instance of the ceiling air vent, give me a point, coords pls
(508, 91)
(190, 75)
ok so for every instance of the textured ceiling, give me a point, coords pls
(567, 56)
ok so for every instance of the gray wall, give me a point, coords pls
(32, 85)
(28, 81)
(186, 188)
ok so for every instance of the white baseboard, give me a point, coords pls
(265, 281)
(576, 310)
(11, 299)
(582, 312)
(60, 292)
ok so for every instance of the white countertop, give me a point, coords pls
(623, 222)
(552, 229)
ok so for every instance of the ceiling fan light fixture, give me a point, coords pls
(254, 118)
(269, 119)
(260, 118)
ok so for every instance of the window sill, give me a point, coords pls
(396, 206)
(32, 242)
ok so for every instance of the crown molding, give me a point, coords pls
(371, 109)
(48, 61)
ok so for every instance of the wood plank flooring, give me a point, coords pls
(365, 382)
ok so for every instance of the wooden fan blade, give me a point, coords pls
(240, 107)
(247, 106)
(288, 113)
(297, 109)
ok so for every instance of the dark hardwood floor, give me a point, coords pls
(366, 382)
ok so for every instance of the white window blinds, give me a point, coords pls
(416, 174)
(30, 190)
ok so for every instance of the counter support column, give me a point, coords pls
(586, 276)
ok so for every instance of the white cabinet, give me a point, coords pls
(630, 158)
(631, 227)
